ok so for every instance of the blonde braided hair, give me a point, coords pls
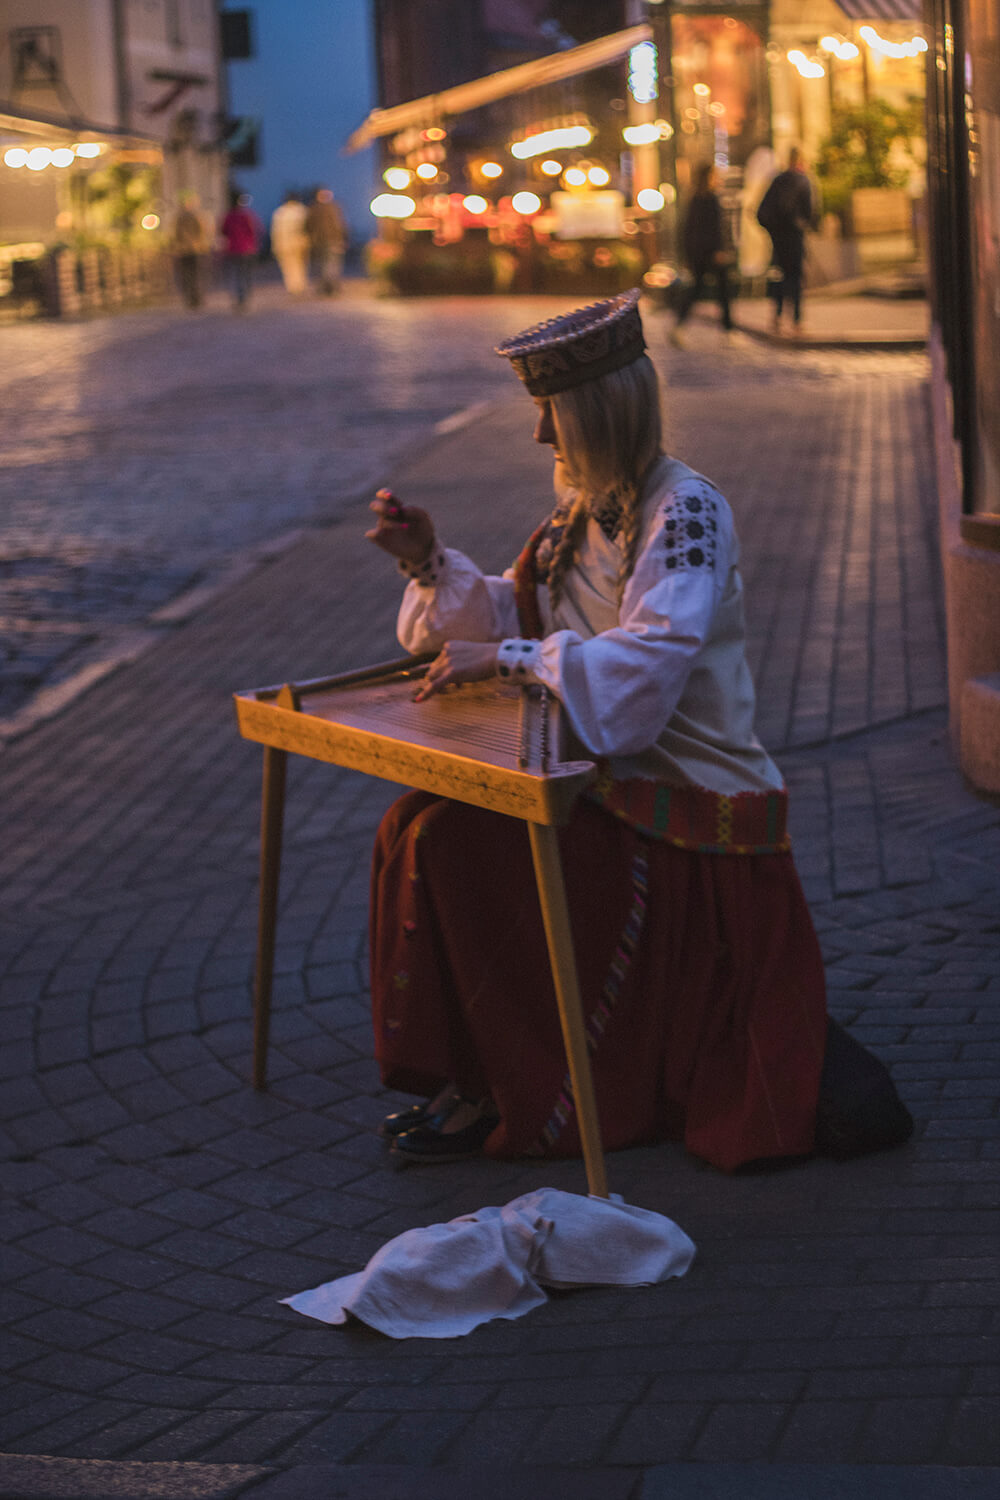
(566, 548)
(609, 433)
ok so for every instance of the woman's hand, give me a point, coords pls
(407, 533)
(458, 661)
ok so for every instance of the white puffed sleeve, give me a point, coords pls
(449, 599)
(621, 687)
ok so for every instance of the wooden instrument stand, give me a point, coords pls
(366, 721)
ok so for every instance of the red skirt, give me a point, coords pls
(700, 976)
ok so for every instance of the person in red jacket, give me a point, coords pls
(242, 231)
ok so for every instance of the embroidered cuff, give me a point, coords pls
(517, 659)
(428, 572)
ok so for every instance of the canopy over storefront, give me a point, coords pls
(531, 75)
(882, 10)
(14, 121)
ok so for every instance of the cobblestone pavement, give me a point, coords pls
(838, 1314)
(151, 456)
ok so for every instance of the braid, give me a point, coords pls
(631, 533)
(609, 435)
(562, 557)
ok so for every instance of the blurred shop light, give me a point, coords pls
(427, 171)
(63, 157)
(660, 275)
(150, 221)
(840, 49)
(702, 89)
(599, 176)
(526, 203)
(434, 133)
(491, 169)
(575, 177)
(397, 178)
(641, 135)
(562, 138)
(877, 43)
(550, 168)
(392, 206)
(642, 73)
(39, 158)
(651, 199)
(88, 148)
(474, 204)
(16, 157)
(804, 66)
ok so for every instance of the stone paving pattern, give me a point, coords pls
(157, 1207)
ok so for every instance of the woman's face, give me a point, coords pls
(545, 428)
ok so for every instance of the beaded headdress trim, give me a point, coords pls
(579, 346)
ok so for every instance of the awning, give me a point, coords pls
(882, 10)
(15, 121)
(531, 75)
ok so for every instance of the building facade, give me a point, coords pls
(736, 84)
(964, 175)
(110, 110)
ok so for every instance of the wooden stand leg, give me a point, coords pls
(555, 915)
(272, 812)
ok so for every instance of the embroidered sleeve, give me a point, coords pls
(691, 528)
(621, 687)
(449, 599)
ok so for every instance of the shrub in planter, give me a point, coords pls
(870, 145)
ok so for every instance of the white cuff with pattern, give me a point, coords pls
(517, 659)
(429, 571)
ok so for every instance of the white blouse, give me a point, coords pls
(660, 685)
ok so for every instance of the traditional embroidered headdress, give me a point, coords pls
(582, 345)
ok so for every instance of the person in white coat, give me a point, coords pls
(290, 244)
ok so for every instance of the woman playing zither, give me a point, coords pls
(700, 974)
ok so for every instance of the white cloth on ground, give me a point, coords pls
(444, 1280)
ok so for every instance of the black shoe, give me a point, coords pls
(404, 1119)
(429, 1143)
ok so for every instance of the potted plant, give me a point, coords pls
(872, 148)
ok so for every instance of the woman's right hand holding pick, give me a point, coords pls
(407, 534)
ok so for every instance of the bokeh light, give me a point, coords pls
(392, 206)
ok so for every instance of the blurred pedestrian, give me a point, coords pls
(290, 244)
(786, 211)
(327, 233)
(192, 241)
(754, 241)
(708, 250)
(241, 232)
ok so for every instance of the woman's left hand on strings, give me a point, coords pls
(458, 661)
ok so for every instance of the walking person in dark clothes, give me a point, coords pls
(786, 211)
(707, 249)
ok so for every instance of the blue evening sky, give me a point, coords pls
(311, 84)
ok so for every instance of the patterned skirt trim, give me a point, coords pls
(692, 817)
(565, 1105)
